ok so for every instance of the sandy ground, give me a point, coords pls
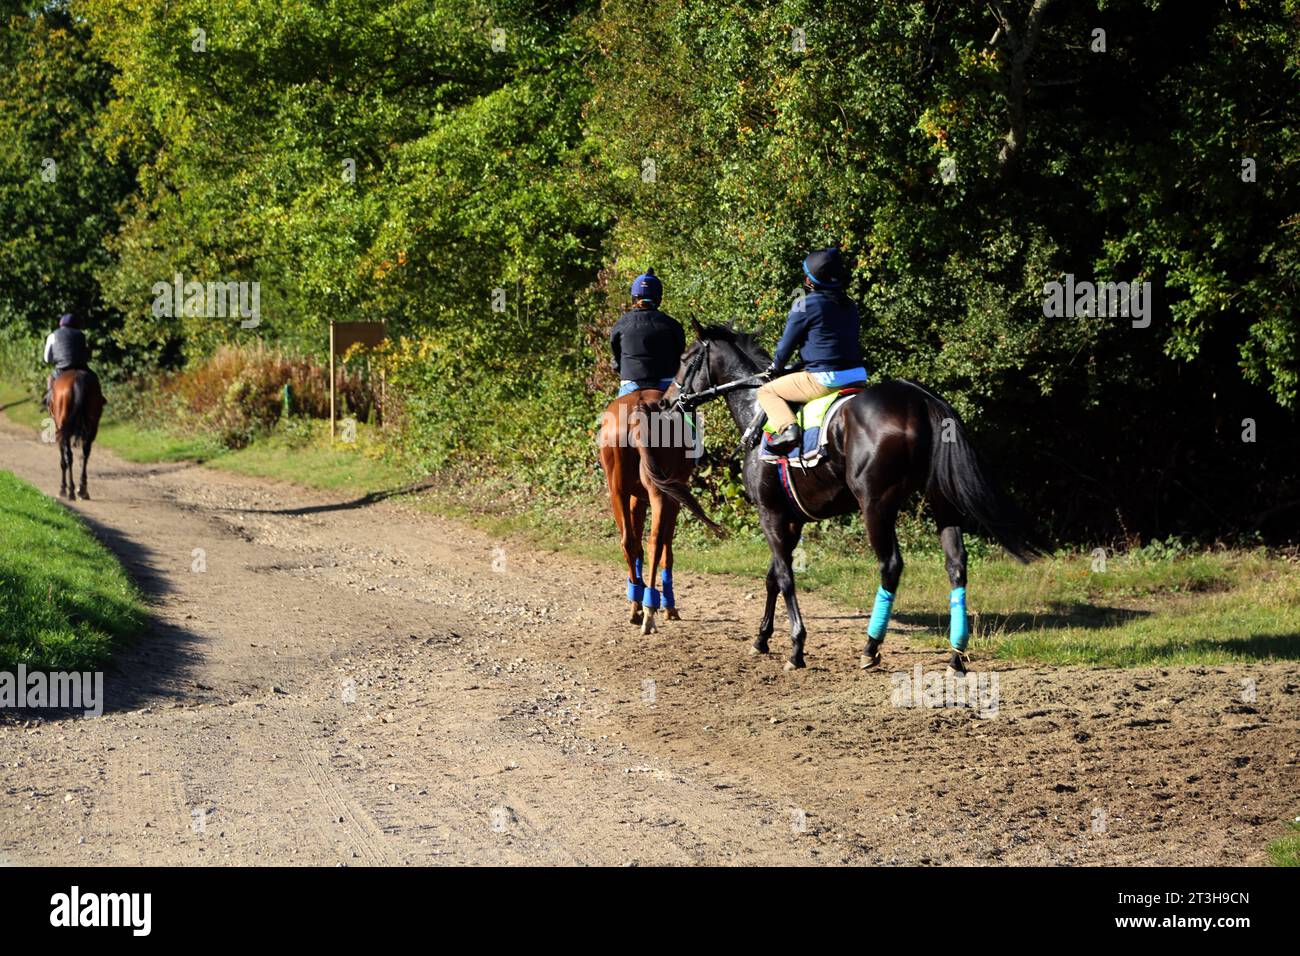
(369, 684)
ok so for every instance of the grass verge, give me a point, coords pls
(64, 599)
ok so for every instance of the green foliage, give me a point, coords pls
(1166, 550)
(487, 177)
(58, 196)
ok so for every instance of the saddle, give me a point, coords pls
(814, 419)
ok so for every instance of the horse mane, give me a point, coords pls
(746, 342)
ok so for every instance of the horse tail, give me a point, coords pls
(676, 488)
(957, 473)
(76, 420)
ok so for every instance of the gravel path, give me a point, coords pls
(371, 685)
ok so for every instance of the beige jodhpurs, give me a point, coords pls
(796, 387)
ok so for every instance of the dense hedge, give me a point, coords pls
(487, 177)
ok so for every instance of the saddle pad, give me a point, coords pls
(814, 418)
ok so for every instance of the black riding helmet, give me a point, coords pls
(824, 268)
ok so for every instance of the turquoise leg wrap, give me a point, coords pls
(669, 599)
(958, 628)
(880, 614)
(651, 598)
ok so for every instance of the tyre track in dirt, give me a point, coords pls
(367, 685)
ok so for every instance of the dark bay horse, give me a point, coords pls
(888, 442)
(76, 404)
(648, 454)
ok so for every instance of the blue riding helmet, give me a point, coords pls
(648, 286)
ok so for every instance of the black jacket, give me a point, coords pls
(66, 348)
(647, 345)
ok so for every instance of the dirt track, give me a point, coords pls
(503, 714)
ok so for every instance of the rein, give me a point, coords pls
(690, 400)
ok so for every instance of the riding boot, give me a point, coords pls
(789, 438)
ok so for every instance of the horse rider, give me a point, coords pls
(646, 344)
(65, 349)
(823, 327)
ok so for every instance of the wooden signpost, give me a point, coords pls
(344, 335)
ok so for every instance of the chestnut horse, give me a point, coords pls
(76, 404)
(648, 455)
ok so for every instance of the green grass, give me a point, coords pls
(1286, 851)
(303, 454)
(21, 405)
(64, 599)
(1159, 605)
(138, 444)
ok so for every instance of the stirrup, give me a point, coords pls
(752, 433)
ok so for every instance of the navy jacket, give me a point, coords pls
(647, 345)
(824, 329)
(66, 348)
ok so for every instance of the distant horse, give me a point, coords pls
(886, 443)
(76, 404)
(648, 455)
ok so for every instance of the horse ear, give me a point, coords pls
(697, 328)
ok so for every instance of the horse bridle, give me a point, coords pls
(690, 400)
(684, 397)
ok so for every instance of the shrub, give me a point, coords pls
(237, 392)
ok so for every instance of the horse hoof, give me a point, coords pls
(870, 662)
(636, 618)
(794, 665)
(957, 663)
(757, 650)
(648, 626)
(673, 615)
(84, 496)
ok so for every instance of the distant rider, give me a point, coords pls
(65, 349)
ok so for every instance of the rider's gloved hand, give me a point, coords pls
(770, 372)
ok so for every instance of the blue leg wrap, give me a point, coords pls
(958, 628)
(635, 589)
(880, 614)
(651, 598)
(669, 599)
